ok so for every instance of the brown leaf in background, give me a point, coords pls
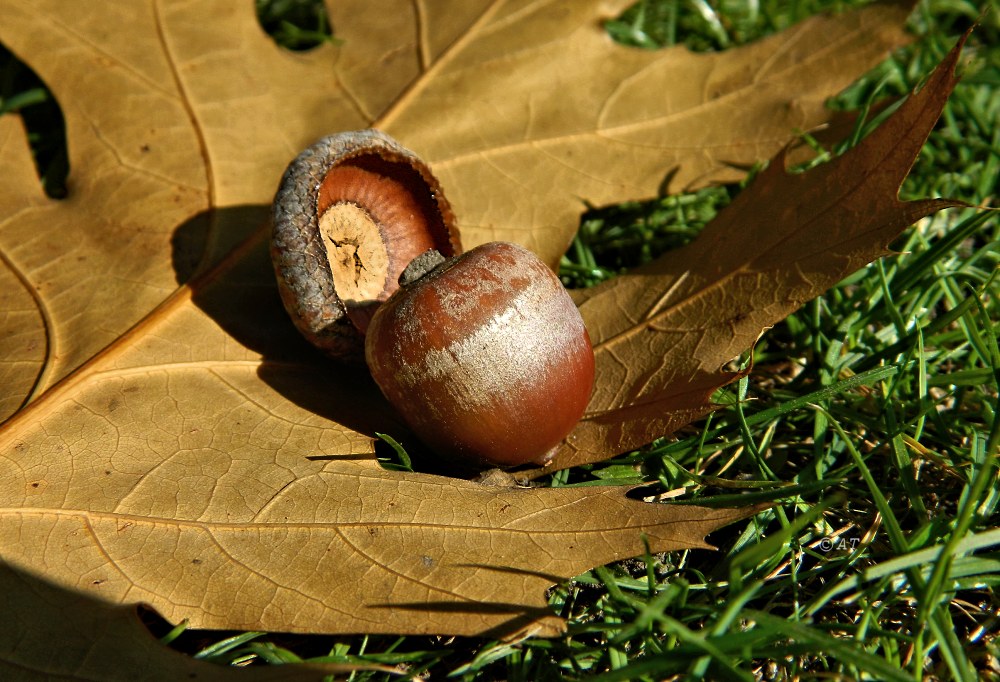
(662, 332)
(173, 440)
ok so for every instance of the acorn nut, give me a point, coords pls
(485, 356)
(350, 213)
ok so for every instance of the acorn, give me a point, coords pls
(484, 355)
(350, 213)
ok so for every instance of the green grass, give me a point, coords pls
(870, 419)
(23, 92)
(295, 24)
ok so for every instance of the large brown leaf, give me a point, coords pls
(179, 444)
(525, 109)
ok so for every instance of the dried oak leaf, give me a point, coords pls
(662, 332)
(526, 110)
(172, 440)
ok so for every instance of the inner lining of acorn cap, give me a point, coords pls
(400, 245)
(417, 185)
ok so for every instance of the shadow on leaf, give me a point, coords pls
(97, 640)
(223, 256)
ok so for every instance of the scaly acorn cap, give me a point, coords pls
(350, 213)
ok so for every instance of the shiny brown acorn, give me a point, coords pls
(485, 356)
(350, 213)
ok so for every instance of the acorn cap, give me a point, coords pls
(350, 213)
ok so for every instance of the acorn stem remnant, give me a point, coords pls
(420, 266)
